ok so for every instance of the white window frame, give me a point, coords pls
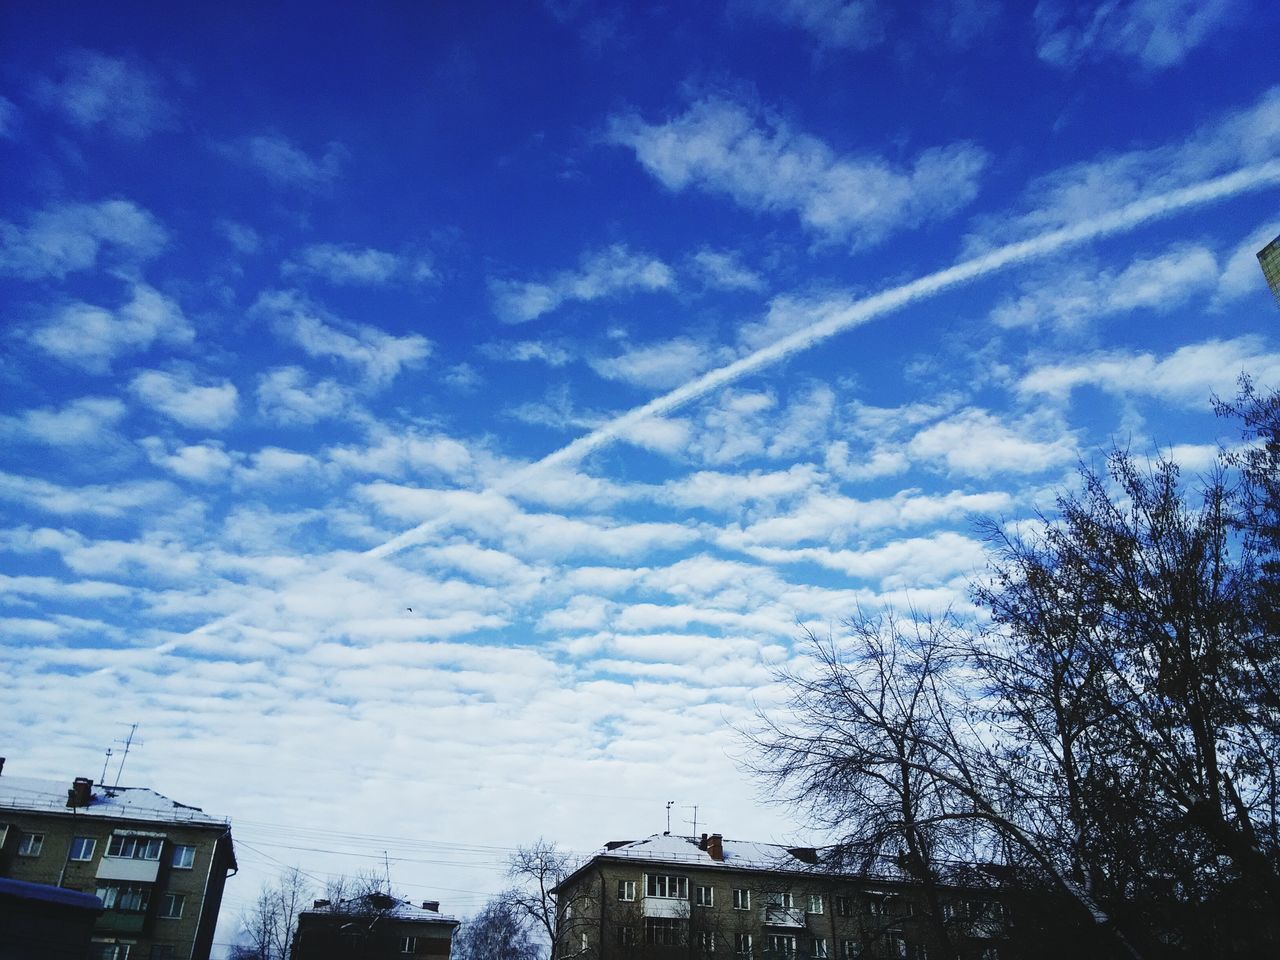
(184, 856)
(782, 944)
(742, 898)
(408, 944)
(820, 947)
(659, 886)
(850, 949)
(626, 936)
(168, 902)
(664, 931)
(626, 890)
(584, 941)
(133, 846)
(126, 897)
(780, 900)
(31, 845)
(118, 951)
(707, 940)
(743, 946)
(843, 906)
(704, 896)
(815, 903)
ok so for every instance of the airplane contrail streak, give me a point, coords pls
(859, 312)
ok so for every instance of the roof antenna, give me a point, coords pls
(386, 866)
(670, 804)
(106, 760)
(694, 808)
(127, 744)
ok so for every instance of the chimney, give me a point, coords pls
(715, 846)
(702, 844)
(81, 792)
(319, 904)
(432, 905)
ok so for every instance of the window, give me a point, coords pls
(850, 949)
(819, 947)
(663, 931)
(626, 889)
(990, 953)
(132, 847)
(743, 946)
(184, 857)
(667, 888)
(705, 896)
(815, 903)
(782, 900)
(583, 941)
(171, 906)
(782, 945)
(109, 951)
(843, 907)
(948, 910)
(82, 848)
(131, 898)
(707, 940)
(408, 944)
(897, 944)
(31, 845)
(741, 899)
(626, 936)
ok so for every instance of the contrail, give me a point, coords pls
(859, 312)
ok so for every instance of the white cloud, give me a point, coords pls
(85, 421)
(201, 462)
(92, 337)
(177, 396)
(851, 24)
(108, 500)
(242, 237)
(1155, 33)
(69, 237)
(607, 273)
(379, 354)
(763, 164)
(1084, 191)
(93, 90)
(975, 443)
(525, 351)
(725, 270)
(658, 365)
(350, 265)
(283, 162)
(287, 395)
(1159, 283)
(1187, 376)
(1240, 272)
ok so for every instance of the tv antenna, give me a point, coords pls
(386, 867)
(694, 808)
(106, 760)
(125, 756)
(670, 804)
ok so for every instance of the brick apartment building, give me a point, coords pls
(373, 927)
(676, 897)
(157, 866)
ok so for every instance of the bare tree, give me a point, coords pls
(267, 927)
(501, 931)
(536, 870)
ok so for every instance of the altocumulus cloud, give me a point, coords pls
(66, 238)
(609, 272)
(93, 90)
(760, 162)
(92, 337)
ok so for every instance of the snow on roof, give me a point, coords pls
(117, 803)
(738, 855)
(400, 910)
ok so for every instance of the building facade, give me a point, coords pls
(669, 897)
(373, 927)
(157, 866)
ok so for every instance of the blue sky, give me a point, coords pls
(323, 334)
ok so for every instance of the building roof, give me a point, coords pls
(24, 890)
(396, 909)
(116, 803)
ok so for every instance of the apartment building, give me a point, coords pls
(707, 897)
(157, 866)
(373, 926)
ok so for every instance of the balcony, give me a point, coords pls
(668, 907)
(784, 917)
(121, 921)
